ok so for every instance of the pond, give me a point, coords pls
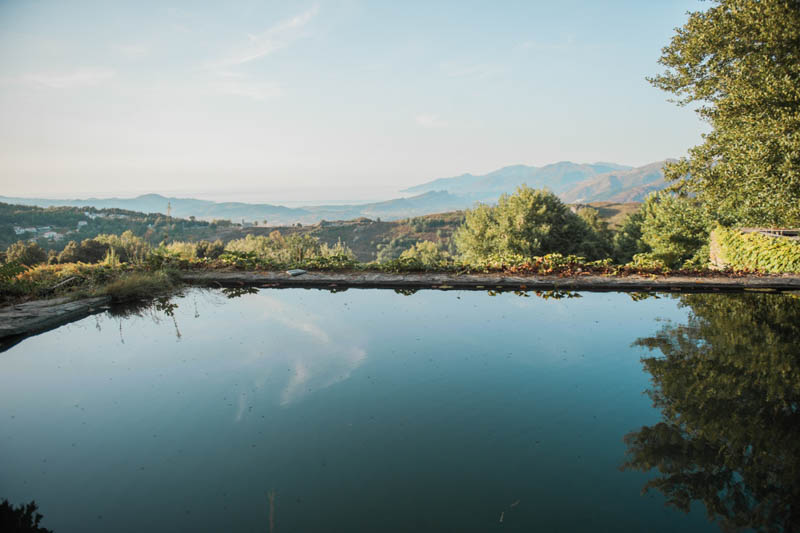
(370, 410)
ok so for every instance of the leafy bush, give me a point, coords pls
(26, 253)
(754, 251)
(280, 250)
(88, 251)
(528, 223)
(127, 247)
(646, 262)
(599, 241)
(185, 250)
(627, 241)
(428, 254)
(209, 250)
(676, 229)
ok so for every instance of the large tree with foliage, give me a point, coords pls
(740, 62)
(527, 223)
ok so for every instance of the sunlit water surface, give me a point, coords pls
(357, 411)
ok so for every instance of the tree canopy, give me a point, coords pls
(527, 223)
(739, 61)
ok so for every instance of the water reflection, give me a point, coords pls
(152, 309)
(24, 517)
(728, 386)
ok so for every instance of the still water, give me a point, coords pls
(368, 411)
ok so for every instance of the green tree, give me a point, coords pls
(598, 243)
(26, 253)
(728, 386)
(88, 251)
(676, 229)
(740, 62)
(527, 223)
(628, 239)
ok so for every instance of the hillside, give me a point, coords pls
(432, 202)
(54, 227)
(628, 185)
(558, 177)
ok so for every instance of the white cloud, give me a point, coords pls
(81, 77)
(430, 121)
(277, 37)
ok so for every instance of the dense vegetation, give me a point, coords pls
(74, 223)
(753, 251)
(740, 62)
(525, 224)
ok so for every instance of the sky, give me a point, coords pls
(292, 101)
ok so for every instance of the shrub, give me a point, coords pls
(598, 242)
(754, 251)
(676, 229)
(127, 247)
(88, 251)
(26, 253)
(138, 285)
(209, 250)
(292, 250)
(627, 240)
(528, 223)
(428, 254)
(184, 250)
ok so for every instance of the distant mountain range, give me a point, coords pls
(573, 182)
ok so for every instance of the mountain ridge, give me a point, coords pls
(573, 182)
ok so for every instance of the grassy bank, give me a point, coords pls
(123, 283)
(159, 276)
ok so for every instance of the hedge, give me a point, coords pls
(757, 252)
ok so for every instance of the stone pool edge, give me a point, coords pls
(445, 281)
(29, 318)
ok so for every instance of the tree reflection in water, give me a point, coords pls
(728, 385)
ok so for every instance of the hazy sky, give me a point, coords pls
(251, 96)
